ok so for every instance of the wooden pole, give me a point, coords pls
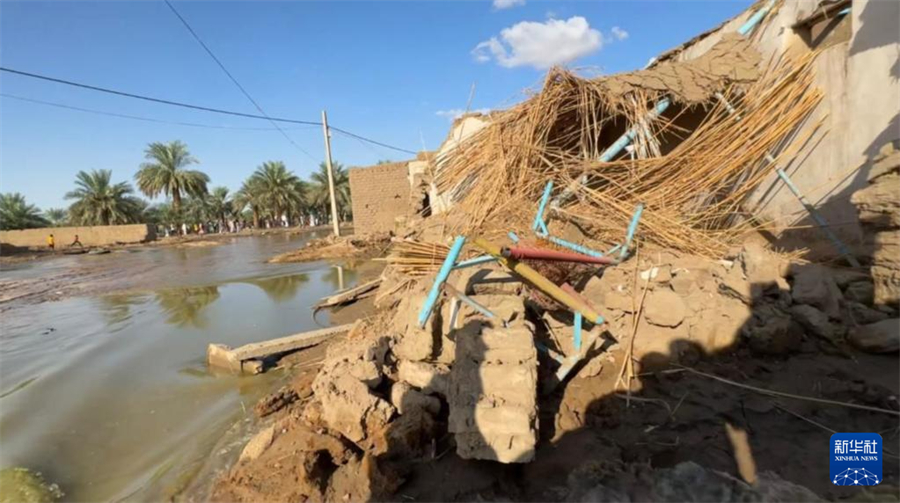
(334, 214)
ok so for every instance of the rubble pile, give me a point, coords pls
(391, 393)
(355, 246)
(879, 212)
(498, 371)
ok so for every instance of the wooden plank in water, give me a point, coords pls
(350, 295)
(285, 344)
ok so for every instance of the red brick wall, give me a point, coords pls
(380, 194)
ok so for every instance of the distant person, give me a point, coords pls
(76, 242)
(50, 242)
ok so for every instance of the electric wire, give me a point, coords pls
(191, 106)
(138, 117)
(234, 80)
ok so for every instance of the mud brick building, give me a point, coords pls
(380, 194)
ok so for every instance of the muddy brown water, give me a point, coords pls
(107, 393)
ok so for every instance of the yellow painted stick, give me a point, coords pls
(540, 282)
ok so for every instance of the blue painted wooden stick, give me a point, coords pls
(632, 227)
(539, 218)
(577, 328)
(475, 305)
(572, 246)
(813, 213)
(611, 152)
(474, 261)
(756, 18)
(442, 275)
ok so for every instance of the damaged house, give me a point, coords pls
(669, 284)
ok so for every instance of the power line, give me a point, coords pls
(138, 117)
(234, 80)
(190, 106)
(373, 142)
(155, 100)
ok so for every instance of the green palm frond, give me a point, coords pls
(16, 213)
(98, 201)
(166, 173)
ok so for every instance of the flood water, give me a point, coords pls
(109, 395)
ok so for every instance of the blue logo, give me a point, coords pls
(856, 459)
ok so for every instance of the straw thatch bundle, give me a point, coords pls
(695, 195)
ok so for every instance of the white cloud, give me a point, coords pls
(618, 33)
(540, 45)
(506, 4)
(456, 113)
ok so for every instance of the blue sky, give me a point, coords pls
(390, 70)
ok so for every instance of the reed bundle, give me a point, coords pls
(414, 259)
(696, 194)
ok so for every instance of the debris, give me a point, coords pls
(349, 295)
(879, 212)
(743, 454)
(410, 436)
(489, 182)
(592, 368)
(861, 291)
(431, 378)
(864, 315)
(816, 322)
(776, 334)
(407, 399)
(493, 395)
(337, 247)
(222, 356)
(879, 337)
(276, 401)
(814, 286)
(258, 444)
(484, 281)
(349, 407)
(664, 308)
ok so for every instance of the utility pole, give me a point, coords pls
(334, 213)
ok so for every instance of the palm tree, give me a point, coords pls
(219, 205)
(159, 214)
(249, 195)
(100, 202)
(16, 213)
(196, 209)
(56, 216)
(282, 192)
(319, 192)
(166, 173)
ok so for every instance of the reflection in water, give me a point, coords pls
(338, 276)
(116, 308)
(185, 305)
(156, 415)
(282, 288)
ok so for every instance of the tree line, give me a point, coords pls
(270, 195)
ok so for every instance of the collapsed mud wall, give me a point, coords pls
(858, 113)
(879, 211)
(98, 235)
(380, 194)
